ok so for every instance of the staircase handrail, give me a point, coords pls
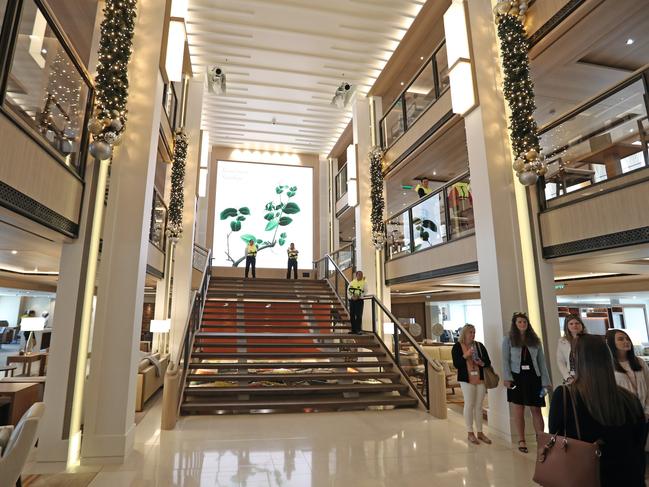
(349, 246)
(192, 325)
(423, 397)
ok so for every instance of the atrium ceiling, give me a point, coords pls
(284, 60)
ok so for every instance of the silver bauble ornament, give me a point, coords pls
(502, 7)
(110, 137)
(527, 178)
(100, 150)
(116, 125)
(95, 126)
(532, 155)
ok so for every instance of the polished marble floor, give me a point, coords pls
(401, 448)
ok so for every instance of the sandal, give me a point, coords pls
(482, 437)
(522, 449)
(472, 439)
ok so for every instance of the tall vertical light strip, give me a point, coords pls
(74, 448)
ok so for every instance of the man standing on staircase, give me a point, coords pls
(356, 292)
(292, 261)
(251, 258)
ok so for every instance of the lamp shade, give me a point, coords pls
(32, 324)
(388, 328)
(160, 326)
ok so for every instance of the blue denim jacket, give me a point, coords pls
(512, 361)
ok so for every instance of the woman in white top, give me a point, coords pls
(631, 372)
(573, 327)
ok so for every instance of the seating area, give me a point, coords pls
(150, 377)
(16, 443)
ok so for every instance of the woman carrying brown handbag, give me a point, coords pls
(606, 413)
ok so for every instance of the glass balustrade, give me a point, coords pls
(158, 226)
(603, 139)
(445, 214)
(341, 182)
(420, 93)
(47, 92)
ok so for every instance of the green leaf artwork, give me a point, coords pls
(285, 220)
(275, 216)
(271, 225)
(228, 212)
(291, 208)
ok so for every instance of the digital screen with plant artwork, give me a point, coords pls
(272, 204)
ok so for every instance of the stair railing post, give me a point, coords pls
(396, 344)
(373, 315)
(336, 283)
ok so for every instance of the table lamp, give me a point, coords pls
(160, 326)
(31, 324)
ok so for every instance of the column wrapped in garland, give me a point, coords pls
(518, 89)
(376, 194)
(177, 197)
(111, 82)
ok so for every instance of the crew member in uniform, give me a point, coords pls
(422, 188)
(251, 258)
(292, 261)
(356, 292)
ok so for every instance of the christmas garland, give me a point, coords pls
(376, 193)
(111, 82)
(518, 89)
(177, 197)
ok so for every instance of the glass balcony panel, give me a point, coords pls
(441, 62)
(341, 183)
(3, 9)
(392, 124)
(428, 222)
(602, 141)
(158, 222)
(45, 90)
(420, 94)
(398, 230)
(460, 208)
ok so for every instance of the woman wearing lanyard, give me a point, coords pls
(573, 328)
(470, 358)
(525, 375)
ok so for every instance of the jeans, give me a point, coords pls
(356, 314)
(292, 264)
(473, 398)
(251, 261)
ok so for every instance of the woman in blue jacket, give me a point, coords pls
(525, 375)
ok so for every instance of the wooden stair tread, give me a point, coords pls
(290, 365)
(326, 388)
(291, 376)
(284, 345)
(302, 403)
(280, 336)
(280, 355)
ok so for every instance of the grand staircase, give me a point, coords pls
(274, 345)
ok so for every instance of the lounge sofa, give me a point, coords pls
(442, 353)
(148, 381)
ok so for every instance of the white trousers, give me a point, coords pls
(473, 398)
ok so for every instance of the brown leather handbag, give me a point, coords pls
(491, 379)
(567, 462)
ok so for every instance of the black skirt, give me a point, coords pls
(528, 385)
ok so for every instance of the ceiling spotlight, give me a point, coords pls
(216, 80)
(629, 41)
(343, 95)
(14, 252)
(274, 121)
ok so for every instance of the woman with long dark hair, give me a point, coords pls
(573, 328)
(631, 372)
(525, 375)
(606, 413)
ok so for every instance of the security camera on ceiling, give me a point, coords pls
(215, 80)
(343, 95)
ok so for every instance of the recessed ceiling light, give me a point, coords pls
(421, 57)
(629, 41)
(14, 252)
(402, 83)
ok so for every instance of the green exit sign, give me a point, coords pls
(559, 286)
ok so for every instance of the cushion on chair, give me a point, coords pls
(5, 434)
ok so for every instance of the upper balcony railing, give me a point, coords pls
(602, 139)
(170, 104)
(158, 228)
(341, 183)
(420, 93)
(44, 87)
(445, 214)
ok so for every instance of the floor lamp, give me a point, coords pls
(31, 325)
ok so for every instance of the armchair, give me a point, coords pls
(21, 441)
